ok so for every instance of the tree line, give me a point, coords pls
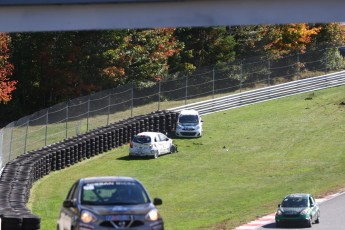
(40, 69)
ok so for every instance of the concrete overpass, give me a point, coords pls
(66, 15)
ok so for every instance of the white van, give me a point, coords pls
(189, 124)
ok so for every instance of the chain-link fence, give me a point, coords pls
(82, 114)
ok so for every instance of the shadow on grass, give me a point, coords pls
(128, 158)
(285, 226)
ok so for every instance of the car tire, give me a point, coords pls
(309, 223)
(317, 221)
(155, 156)
(278, 225)
(173, 149)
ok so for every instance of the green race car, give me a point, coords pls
(298, 208)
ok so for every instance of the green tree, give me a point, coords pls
(140, 56)
(329, 35)
(204, 46)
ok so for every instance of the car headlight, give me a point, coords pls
(152, 215)
(179, 126)
(279, 212)
(305, 211)
(87, 217)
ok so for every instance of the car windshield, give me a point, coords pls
(113, 193)
(295, 202)
(189, 119)
(142, 139)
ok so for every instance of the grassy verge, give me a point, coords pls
(247, 160)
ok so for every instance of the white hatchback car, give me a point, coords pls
(151, 144)
(189, 124)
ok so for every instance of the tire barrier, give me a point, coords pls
(18, 175)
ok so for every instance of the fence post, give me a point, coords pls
(108, 109)
(67, 119)
(326, 60)
(213, 76)
(46, 132)
(132, 101)
(159, 94)
(269, 73)
(186, 93)
(88, 113)
(298, 67)
(26, 135)
(9, 155)
(241, 77)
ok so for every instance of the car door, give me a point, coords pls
(67, 215)
(165, 143)
(314, 207)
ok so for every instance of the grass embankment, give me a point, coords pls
(247, 160)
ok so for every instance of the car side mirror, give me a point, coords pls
(157, 201)
(278, 205)
(312, 205)
(69, 203)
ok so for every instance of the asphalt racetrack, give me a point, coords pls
(332, 217)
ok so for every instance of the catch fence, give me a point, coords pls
(80, 115)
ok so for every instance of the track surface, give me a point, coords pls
(332, 216)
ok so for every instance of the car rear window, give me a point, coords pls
(142, 139)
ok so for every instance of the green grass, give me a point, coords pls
(247, 160)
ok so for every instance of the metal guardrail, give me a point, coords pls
(267, 93)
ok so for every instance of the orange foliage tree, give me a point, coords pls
(6, 69)
(288, 38)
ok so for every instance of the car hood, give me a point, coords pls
(292, 210)
(120, 209)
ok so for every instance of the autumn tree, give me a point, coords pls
(140, 56)
(287, 38)
(6, 84)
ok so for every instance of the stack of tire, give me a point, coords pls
(19, 174)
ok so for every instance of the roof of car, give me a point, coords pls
(148, 134)
(298, 195)
(107, 178)
(189, 112)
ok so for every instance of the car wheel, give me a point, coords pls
(317, 221)
(309, 223)
(173, 149)
(156, 155)
(278, 224)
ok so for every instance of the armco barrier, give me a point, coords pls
(19, 174)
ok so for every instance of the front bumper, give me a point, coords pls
(302, 219)
(107, 225)
(187, 133)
